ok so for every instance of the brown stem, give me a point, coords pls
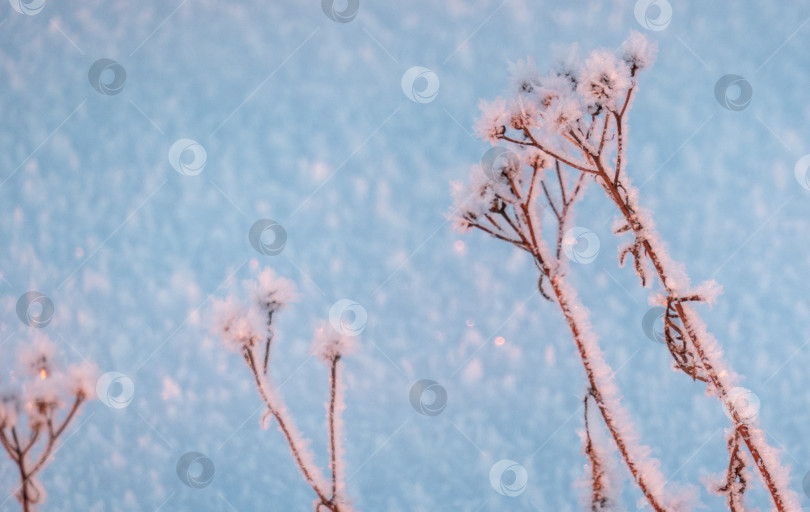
(734, 472)
(4, 440)
(553, 154)
(54, 435)
(530, 241)
(598, 499)
(24, 475)
(332, 440)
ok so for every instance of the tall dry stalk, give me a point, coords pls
(577, 116)
(251, 331)
(502, 199)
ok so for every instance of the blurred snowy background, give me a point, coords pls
(304, 121)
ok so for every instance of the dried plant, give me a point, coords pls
(505, 197)
(251, 332)
(573, 121)
(30, 412)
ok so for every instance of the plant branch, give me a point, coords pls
(285, 429)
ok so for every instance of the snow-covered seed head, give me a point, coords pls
(480, 196)
(329, 345)
(554, 86)
(495, 117)
(537, 159)
(271, 291)
(237, 326)
(38, 357)
(566, 66)
(563, 113)
(638, 52)
(603, 78)
(524, 77)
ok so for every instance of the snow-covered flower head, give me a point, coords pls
(567, 64)
(329, 345)
(236, 325)
(271, 291)
(603, 78)
(501, 166)
(563, 114)
(463, 212)
(553, 87)
(487, 191)
(638, 52)
(243, 326)
(37, 357)
(494, 118)
(523, 76)
(524, 113)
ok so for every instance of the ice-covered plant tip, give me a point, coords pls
(37, 404)
(555, 133)
(250, 330)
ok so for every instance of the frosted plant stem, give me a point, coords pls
(23, 475)
(526, 229)
(598, 498)
(286, 431)
(707, 362)
(588, 361)
(332, 433)
(619, 194)
(734, 473)
(239, 328)
(576, 116)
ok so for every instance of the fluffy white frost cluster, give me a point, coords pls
(329, 345)
(239, 325)
(546, 108)
(44, 386)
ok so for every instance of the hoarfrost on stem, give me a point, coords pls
(250, 330)
(577, 117)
